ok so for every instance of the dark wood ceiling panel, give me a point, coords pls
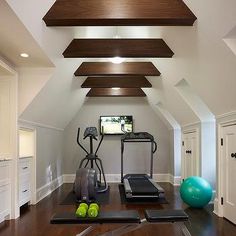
(119, 12)
(123, 92)
(123, 69)
(121, 82)
(96, 48)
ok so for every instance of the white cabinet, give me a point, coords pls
(27, 168)
(5, 193)
(24, 180)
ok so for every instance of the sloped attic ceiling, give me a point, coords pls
(201, 58)
(15, 39)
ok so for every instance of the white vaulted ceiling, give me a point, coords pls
(202, 58)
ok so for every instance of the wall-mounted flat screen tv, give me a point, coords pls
(116, 124)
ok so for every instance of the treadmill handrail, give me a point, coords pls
(124, 140)
(155, 147)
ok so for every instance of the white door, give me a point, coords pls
(229, 173)
(189, 155)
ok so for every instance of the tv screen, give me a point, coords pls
(116, 124)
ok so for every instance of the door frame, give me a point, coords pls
(198, 148)
(218, 207)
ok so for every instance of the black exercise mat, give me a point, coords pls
(101, 198)
(124, 200)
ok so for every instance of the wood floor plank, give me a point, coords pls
(35, 220)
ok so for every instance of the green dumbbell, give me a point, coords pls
(85, 205)
(93, 210)
(82, 210)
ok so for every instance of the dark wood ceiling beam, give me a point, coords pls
(123, 92)
(121, 82)
(123, 69)
(102, 48)
(119, 13)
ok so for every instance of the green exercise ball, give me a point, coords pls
(196, 192)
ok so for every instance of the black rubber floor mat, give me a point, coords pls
(101, 198)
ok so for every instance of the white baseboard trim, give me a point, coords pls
(110, 178)
(175, 180)
(68, 178)
(213, 197)
(161, 178)
(48, 188)
(167, 178)
(216, 206)
(115, 178)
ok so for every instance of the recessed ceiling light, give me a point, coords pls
(24, 55)
(117, 60)
(115, 88)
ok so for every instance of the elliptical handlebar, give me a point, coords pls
(80, 143)
(100, 141)
(89, 135)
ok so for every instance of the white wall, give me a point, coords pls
(137, 156)
(48, 153)
(208, 152)
(31, 81)
(175, 152)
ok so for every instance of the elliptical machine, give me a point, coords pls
(87, 182)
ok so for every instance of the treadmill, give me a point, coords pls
(140, 185)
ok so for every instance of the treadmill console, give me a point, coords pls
(139, 135)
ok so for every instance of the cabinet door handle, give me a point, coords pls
(233, 155)
(24, 168)
(24, 191)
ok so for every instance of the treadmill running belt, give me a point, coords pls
(141, 186)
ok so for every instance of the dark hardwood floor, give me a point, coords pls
(34, 220)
